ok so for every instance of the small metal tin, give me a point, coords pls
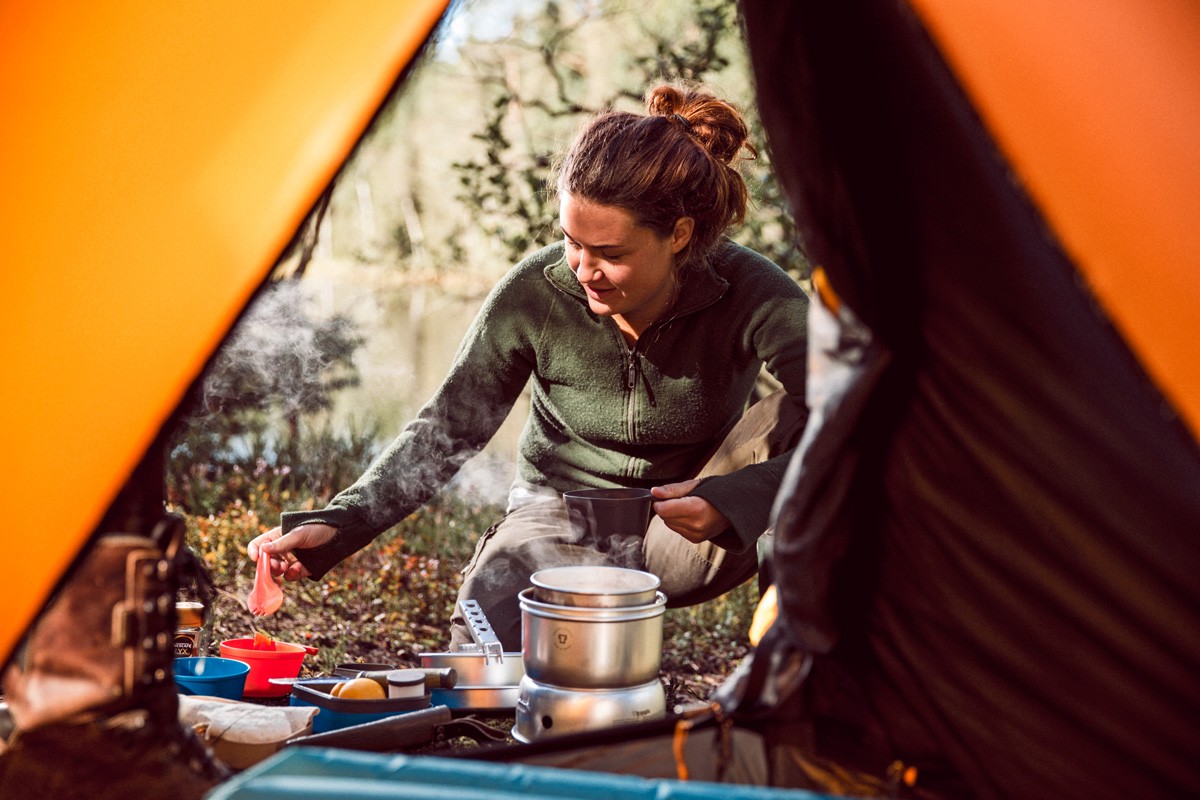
(406, 683)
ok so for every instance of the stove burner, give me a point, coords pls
(544, 710)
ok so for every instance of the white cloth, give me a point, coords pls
(244, 723)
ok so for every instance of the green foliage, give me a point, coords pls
(527, 114)
(769, 229)
(259, 469)
(695, 57)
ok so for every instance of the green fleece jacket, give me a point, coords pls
(602, 414)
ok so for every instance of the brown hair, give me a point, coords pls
(675, 161)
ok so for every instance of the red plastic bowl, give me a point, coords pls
(282, 662)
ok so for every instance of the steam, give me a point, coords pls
(543, 535)
(278, 356)
(485, 479)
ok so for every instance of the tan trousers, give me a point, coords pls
(538, 535)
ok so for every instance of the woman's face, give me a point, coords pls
(626, 269)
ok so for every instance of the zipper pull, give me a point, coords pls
(631, 370)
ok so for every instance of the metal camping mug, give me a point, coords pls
(605, 519)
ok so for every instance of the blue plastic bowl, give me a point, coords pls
(211, 676)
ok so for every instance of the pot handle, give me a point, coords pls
(312, 651)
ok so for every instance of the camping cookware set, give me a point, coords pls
(592, 636)
(592, 639)
(590, 656)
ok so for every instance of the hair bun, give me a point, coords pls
(664, 100)
(714, 123)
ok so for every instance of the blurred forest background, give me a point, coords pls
(359, 321)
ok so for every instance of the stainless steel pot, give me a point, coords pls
(594, 587)
(483, 662)
(591, 648)
(477, 669)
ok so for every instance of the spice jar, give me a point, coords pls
(190, 639)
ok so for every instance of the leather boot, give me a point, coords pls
(92, 694)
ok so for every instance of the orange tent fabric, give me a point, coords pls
(157, 157)
(1097, 108)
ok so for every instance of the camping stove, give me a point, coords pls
(591, 661)
(545, 710)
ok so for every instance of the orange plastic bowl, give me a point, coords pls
(282, 662)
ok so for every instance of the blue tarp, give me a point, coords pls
(312, 773)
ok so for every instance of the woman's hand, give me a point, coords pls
(693, 518)
(279, 547)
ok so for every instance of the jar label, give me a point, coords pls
(185, 643)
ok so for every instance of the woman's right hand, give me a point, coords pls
(280, 547)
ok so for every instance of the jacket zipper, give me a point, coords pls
(631, 372)
(633, 368)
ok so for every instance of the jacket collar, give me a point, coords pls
(702, 286)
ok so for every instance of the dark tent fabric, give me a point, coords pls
(997, 566)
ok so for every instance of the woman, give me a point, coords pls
(641, 336)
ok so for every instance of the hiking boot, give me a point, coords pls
(92, 694)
